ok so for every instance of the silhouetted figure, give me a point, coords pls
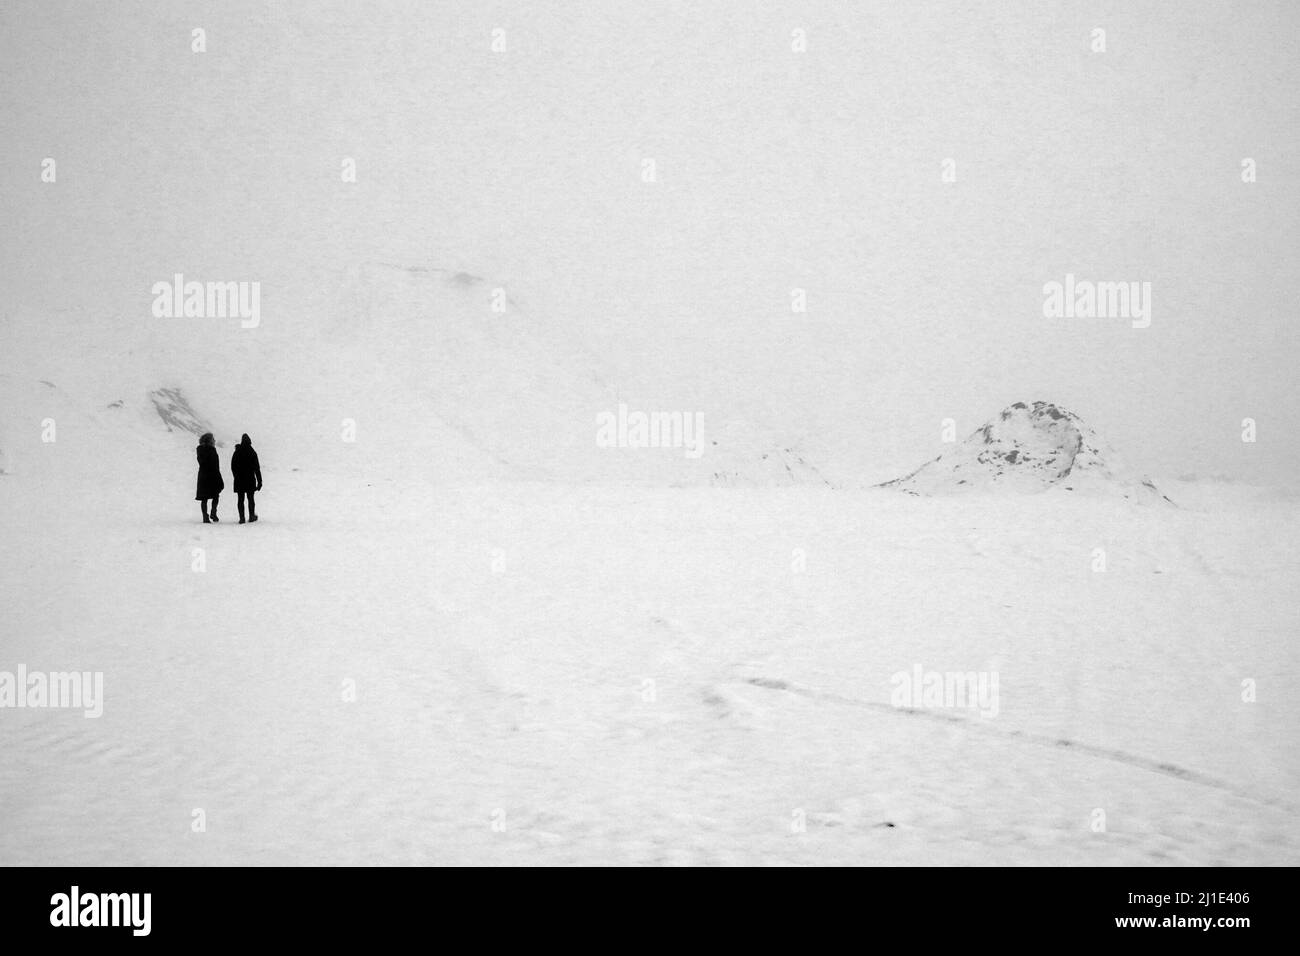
(210, 482)
(246, 471)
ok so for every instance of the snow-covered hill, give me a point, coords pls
(525, 392)
(1029, 449)
(418, 372)
(744, 455)
(468, 360)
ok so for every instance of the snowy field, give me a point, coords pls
(395, 667)
(569, 674)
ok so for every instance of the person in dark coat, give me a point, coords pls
(210, 482)
(246, 471)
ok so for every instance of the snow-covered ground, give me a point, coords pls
(565, 674)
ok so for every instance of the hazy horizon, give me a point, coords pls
(775, 170)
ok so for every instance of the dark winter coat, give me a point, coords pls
(210, 482)
(245, 469)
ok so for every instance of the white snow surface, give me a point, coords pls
(548, 671)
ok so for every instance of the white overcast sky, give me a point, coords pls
(819, 170)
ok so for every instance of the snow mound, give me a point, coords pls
(1029, 449)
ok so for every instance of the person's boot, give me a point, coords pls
(252, 518)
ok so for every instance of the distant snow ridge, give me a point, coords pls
(781, 466)
(175, 411)
(741, 454)
(1028, 449)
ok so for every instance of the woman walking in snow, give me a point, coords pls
(210, 482)
(246, 472)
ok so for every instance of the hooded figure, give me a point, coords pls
(246, 471)
(210, 483)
